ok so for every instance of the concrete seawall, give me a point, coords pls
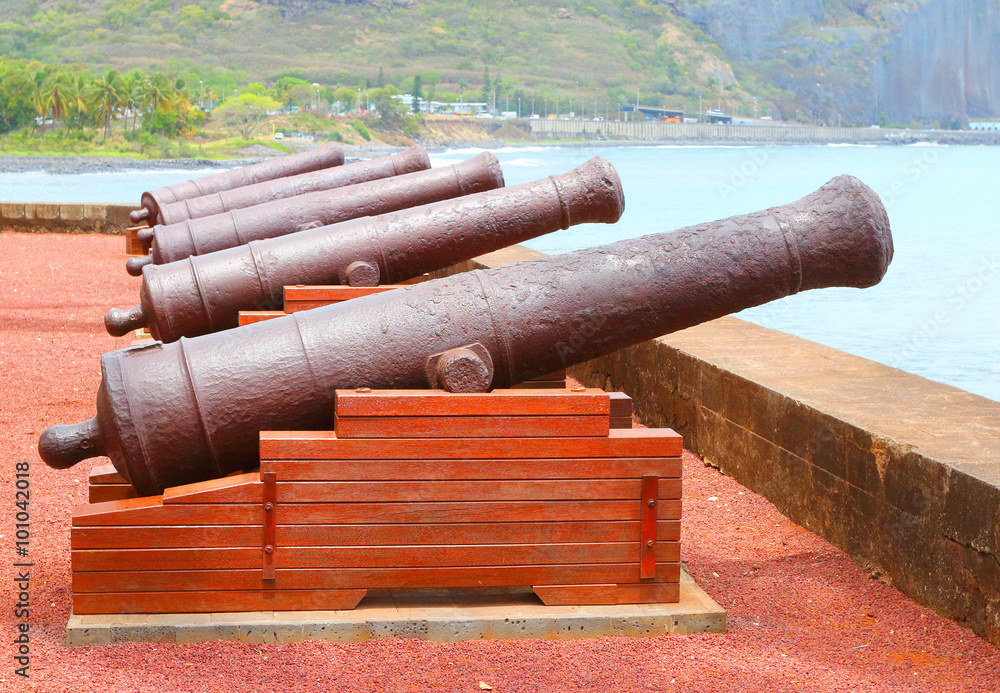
(653, 131)
(64, 217)
(901, 472)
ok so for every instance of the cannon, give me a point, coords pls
(323, 157)
(205, 293)
(408, 161)
(280, 217)
(170, 414)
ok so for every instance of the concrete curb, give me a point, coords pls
(434, 615)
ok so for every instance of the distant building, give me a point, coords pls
(665, 115)
(719, 117)
(467, 108)
(984, 125)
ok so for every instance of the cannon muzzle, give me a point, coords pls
(205, 293)
(281, 217)
(294, 164)
(170, 414)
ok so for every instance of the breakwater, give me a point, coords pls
(709, 133)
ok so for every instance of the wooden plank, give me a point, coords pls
(299, 298)
(133, 246)
(523, 402)
(579, 595)
(471, 426)
(410, 491)
(366, 578)
(366, 556)
(540, 385)
(649, 593)
(621, 404)
(620, 422)
(438, 491)
(168, 515)
(486, 469)
(249, 317)
(111, 507)
(204, 602)
(364, 534)
(487, 511)
(365, 513)
(111, 560)
(576, 595)
(102, 493)
(471, 533)
(315, 445)
(332, 293)
(165, 537)
(648, 555)
(105, 474)
(240, 488)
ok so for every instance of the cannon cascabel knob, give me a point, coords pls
(135, 264)
(120, 322)
(63, 446)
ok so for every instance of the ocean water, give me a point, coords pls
(936, 313)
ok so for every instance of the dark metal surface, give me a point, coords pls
(169, 414)
(291, 165)
(205, 293)
(281, 217)
(408, 161)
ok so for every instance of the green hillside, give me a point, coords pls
(589, 50)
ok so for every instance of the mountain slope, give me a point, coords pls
(828, 60)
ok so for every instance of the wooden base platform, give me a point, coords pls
(414, 489)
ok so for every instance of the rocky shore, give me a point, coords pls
(107, 164)
(69, 165)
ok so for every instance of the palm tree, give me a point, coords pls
(56, 96)
(154, 92)
(107, 97)
(76, 97)
(38, 79)
(132, 94)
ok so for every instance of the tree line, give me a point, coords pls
(34, 94)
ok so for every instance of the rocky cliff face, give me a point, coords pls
(749, 30)
(850, 60)
(942, 63)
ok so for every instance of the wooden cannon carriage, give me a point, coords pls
(413, 489)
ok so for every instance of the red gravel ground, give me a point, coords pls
(802, 615)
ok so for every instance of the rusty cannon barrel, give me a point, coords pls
(291, 165)
(281, 217)
(407, 161)
(205, 293)
(170, 414)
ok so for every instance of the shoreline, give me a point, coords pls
(83, 164)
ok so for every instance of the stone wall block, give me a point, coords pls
(12, 211)
(72, 212)
(47, 211)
